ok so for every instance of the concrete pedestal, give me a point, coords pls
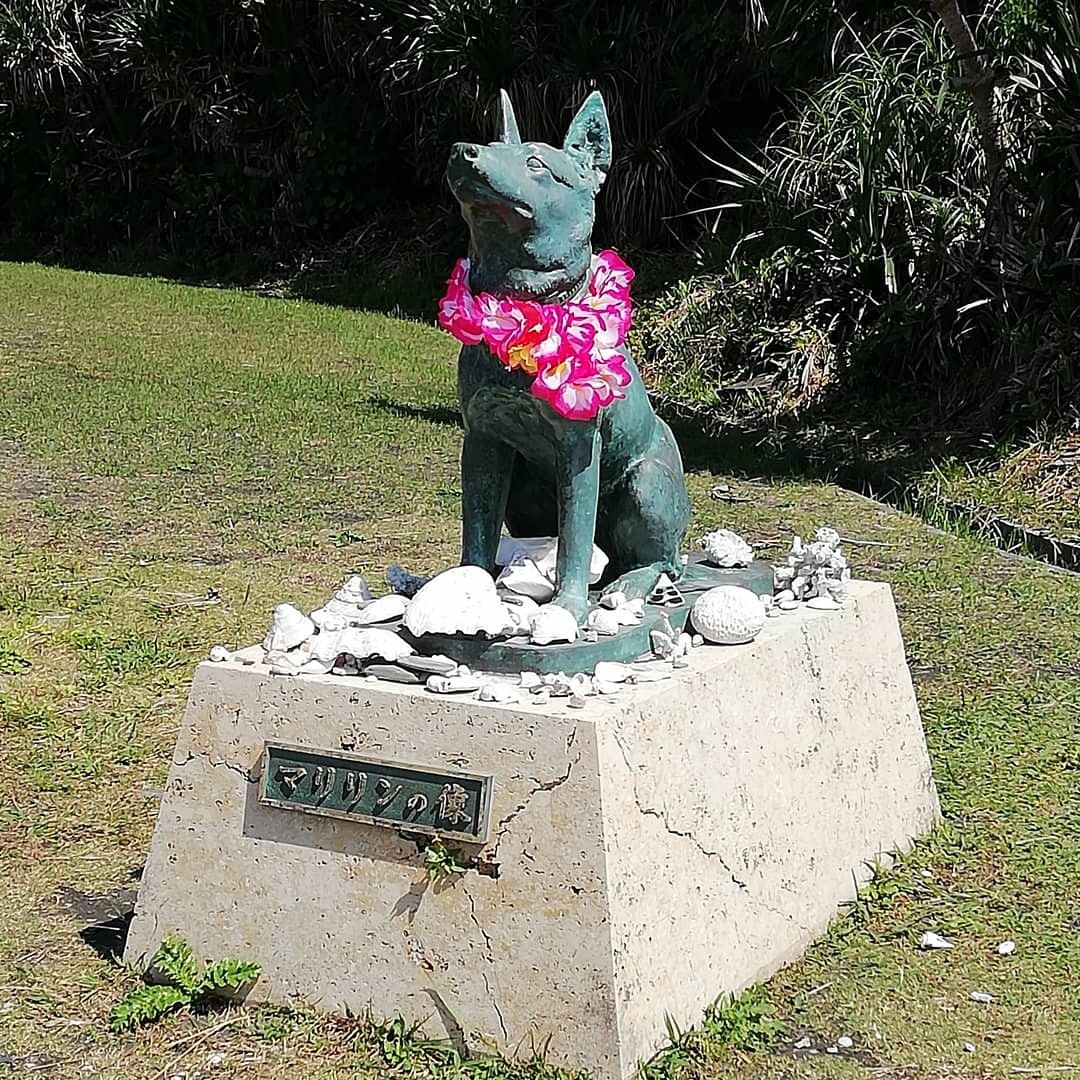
(646, 854)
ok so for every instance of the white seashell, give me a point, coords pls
(630, 613)
(315, 666)
(728, 615)
(354, 590)
(328, 619)
(930, 940)
(590, 635)
(543, 552)
(553, 624)
(576, 701)
(541, 696)
(462, 600)
(279, 658)
(823, 603)
(219, 654)
(661, 644)
(680, 661)
(604, 621)
(452, 684)
(845, 1042)
(290, 626)
(385, 609)
(283, 669)
(783, 594)
(557, 684)
(605, 689)
(526, 579)
(402, 582)
(1006, 948)
(361, 643)
(726, 549)
(581, 685)
(501, 693)
(789, 605)
(697, 640)
(610, 671)
(529, 680)
(981, 997)
(613, 599)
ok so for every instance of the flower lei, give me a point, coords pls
(572, 349)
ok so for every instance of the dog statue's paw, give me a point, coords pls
(553, 625)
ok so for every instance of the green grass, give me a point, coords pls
(174, 461)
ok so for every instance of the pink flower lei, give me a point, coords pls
(572, 350)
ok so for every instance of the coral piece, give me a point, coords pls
(726, 549)
(344, 607)
(818, 568)
(462, 600)
(289, 628)
(728, 615)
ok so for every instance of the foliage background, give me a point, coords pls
(855, 244)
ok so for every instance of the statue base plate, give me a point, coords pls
(512, 655)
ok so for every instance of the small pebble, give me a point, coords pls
(219, 654)
(371, 678)
(927, 873)
(981, 997)
(969, 1048)
(1006, 948)
(697, 641)
(832, 1049)
(845, 1042)
(803, 1044)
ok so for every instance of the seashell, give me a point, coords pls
(219, 654)
(519, 612)
(981, 997)
(315, 666)
(558, 684)
(526, 579)
(452, 684)
(728, 615)
(385, 609)
(823, 603)
(610, 671)
(726, 549)
(613, 599)
(680, 661)
(500, 693)
(605, 689)
(394, 673)
(287, 630)
(631, 613)
(529, 680)
(783, 594)
(403, 583)
(696, 640)
(541, 696)
(429, 665)
(462, 600)
(665, 594)
(581, 685)
(1006, 948)
(361, 643)
(344, 607)
(577, 702)
(590, 635)
(289, 627)
(604, 621)
(543, 552)
(789, 605)
(553, 624)
(661, 644)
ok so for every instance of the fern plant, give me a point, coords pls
(189, 984)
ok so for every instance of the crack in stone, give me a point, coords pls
(504, 825)
(662, 818)
(491, 960)
(238, 769)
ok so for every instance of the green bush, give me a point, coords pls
(872, 246)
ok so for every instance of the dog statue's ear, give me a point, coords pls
(508, 129)
(589, 139)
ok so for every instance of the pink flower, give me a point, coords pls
(571, 349)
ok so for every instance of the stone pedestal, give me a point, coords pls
(646, 853)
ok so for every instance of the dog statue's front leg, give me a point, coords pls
(577, 483)
(486, 467)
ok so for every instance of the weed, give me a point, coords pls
(189, 985)
(745, 1022)
(442, 862)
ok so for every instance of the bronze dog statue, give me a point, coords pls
(616, 479)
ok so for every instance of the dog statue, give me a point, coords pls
(617, 478)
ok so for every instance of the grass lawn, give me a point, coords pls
(175, 461)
